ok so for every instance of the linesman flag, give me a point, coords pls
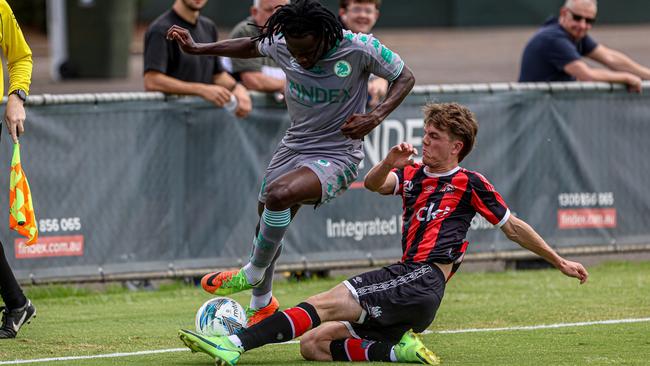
(21, 207)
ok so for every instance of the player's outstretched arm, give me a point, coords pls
(521, 233)
(238, 47)
(397, 91)
(379, 178)
(359, 125)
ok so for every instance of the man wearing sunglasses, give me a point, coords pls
(555, 52)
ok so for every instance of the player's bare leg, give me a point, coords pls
(299, 186)
(283, 194)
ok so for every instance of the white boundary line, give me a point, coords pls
(547, 326)
(470, 330)
(109, 355)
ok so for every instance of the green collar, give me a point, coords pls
(332, 50)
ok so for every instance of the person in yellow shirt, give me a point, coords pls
(17, 310)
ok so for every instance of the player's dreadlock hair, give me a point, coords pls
(301, 18)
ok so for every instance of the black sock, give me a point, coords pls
(280, 327)
(352, 349)
(12, 294)
(380, 351)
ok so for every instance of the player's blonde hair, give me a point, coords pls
(455, 119)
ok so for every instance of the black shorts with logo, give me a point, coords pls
(395, 299)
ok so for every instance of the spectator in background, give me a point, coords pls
(169, 70)
(555, 51)
(262, 73)
(17, 310)
(360, 16)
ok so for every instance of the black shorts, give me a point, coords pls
(395, 299)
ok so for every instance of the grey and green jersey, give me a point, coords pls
(320, 99)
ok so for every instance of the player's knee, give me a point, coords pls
(314, 347)
(279, 197)
(308, 346)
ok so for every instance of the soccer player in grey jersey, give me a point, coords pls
(327, 73)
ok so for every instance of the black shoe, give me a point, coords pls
(12, 320)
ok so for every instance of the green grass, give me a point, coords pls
(79, 321)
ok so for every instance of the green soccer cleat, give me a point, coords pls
(411, 349)
(221, 348)
(226, 282)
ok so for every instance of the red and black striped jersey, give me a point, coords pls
(438, 210)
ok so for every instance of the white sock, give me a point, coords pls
(235, 340)
(393, 358)
(258, 302)
(254, 274)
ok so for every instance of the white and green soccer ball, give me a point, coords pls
(220, 316)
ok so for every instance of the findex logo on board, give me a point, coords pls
(586, 218)
(578, 212)
(50, 246)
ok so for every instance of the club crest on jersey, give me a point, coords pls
(342, 69)
(446, 188)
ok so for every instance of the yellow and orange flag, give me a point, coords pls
(21, 207)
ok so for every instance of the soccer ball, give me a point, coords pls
(220, 316)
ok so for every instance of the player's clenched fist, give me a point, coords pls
(401, 155)
(359, 125)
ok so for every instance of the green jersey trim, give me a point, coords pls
(332, 50)
(398, 72)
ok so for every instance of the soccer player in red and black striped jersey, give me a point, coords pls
(369, 317)
(440, 198)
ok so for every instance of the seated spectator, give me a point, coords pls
(555, 51)
(169, 70)
(360, 16)
(262, 73)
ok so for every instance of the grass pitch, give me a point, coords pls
(81, 322)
